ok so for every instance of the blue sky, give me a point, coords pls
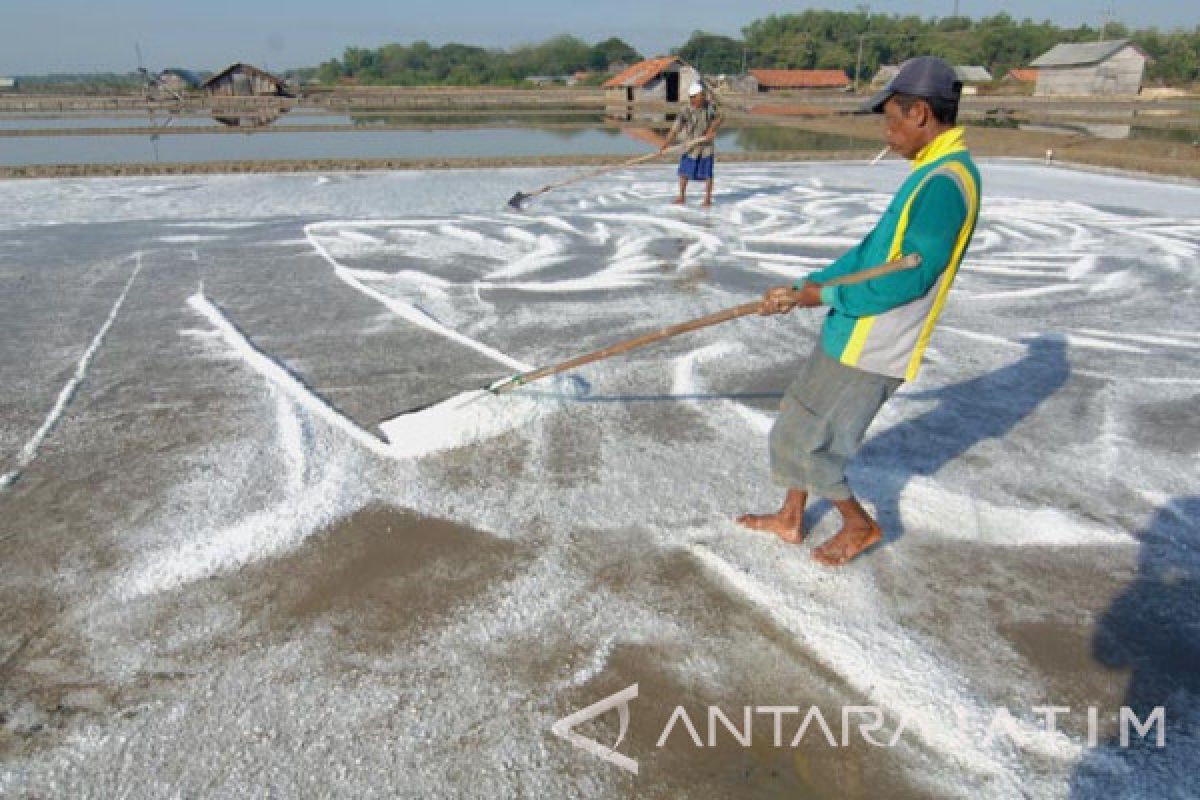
(77, 36)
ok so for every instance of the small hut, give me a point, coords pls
(656, 80)
(178, 80)
(244, 80)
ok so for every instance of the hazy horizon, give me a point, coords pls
(76, 37)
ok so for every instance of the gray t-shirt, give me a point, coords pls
(691, 124)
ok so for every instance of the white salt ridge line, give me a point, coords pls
(1082, 267)
(265, 533)
(858, 664)
(982, 337)
(474, 237)
(1115, 281)
(693, 253)
(599, 281)
(596, 664)
(359, 237)
(1049, 261)
(810, 240)
(465, 419)
(1036, 291)
(987, 267)
(1010, 232)
(1087, 373)
(549, 252)
(786, 257)
(775, 268)
(284, 380)
(519, 234)
(1175, 253)
(667, 223)
(1076, 340)
(928, 509)
(219, 226)
(30, 450)
(685, 382)
(412, 313)
(186, 238)
(411, 276)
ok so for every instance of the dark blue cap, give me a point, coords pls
(926, 76)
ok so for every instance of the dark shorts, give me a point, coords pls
(696, 169)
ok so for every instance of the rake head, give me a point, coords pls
(517, 201)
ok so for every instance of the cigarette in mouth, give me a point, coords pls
(882, 153)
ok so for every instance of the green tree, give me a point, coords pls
(711, 53)
(611, 51)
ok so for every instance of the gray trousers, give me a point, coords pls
(821, 423)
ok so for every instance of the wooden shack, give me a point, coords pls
(244, 80)
(1090, 68)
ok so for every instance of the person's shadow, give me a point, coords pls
(1153, 630)
(967, 413)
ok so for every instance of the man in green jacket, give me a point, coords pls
(876, 331)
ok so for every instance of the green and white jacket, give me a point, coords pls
(884, 324)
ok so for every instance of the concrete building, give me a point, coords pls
(1090, 68)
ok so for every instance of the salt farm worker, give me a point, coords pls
(699, 120)
(875, 332)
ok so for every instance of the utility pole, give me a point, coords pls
(866, 9)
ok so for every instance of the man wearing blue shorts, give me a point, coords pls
(699, 120)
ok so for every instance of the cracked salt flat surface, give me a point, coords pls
(1049, 418)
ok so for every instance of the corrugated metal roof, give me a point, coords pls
(801, 78)
(641, 73)
(885, 74)
(971, 74)
(1078, 54)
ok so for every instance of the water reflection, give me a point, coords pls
(483, 142)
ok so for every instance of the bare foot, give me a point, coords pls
(782, 525)
(787, 523)
(706, 204)
(678, 201)
(849, 542)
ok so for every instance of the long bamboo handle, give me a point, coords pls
(630, 163)
(910, 261)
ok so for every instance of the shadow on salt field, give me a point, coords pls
(1153, 630)
(987, 407)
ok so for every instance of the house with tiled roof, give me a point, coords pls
(655, 80)
(799, 79)
(1022, 75)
